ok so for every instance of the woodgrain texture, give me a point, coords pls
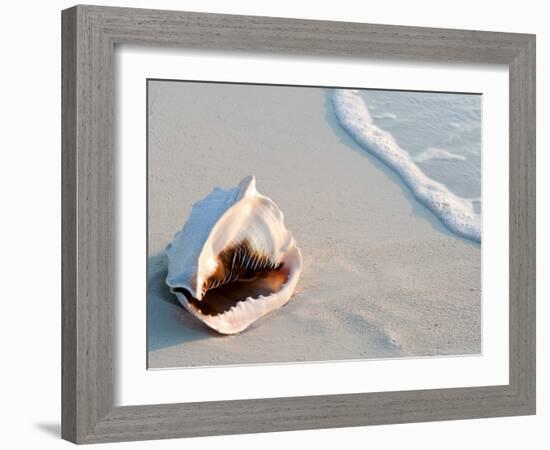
(89, 36)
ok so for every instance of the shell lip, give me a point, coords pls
(246, 311)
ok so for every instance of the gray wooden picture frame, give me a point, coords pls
(89, 35)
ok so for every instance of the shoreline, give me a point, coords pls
(455, 212)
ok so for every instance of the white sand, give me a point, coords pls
(382, 277)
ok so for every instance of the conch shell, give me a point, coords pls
(234, 261)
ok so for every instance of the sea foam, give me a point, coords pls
(455, 212)
(437, 153)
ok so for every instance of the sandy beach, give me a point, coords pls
(382, 276)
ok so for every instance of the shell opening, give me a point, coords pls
(241, 274)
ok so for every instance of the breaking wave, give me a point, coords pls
(455, 212)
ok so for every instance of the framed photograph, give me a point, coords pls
(278, 224)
